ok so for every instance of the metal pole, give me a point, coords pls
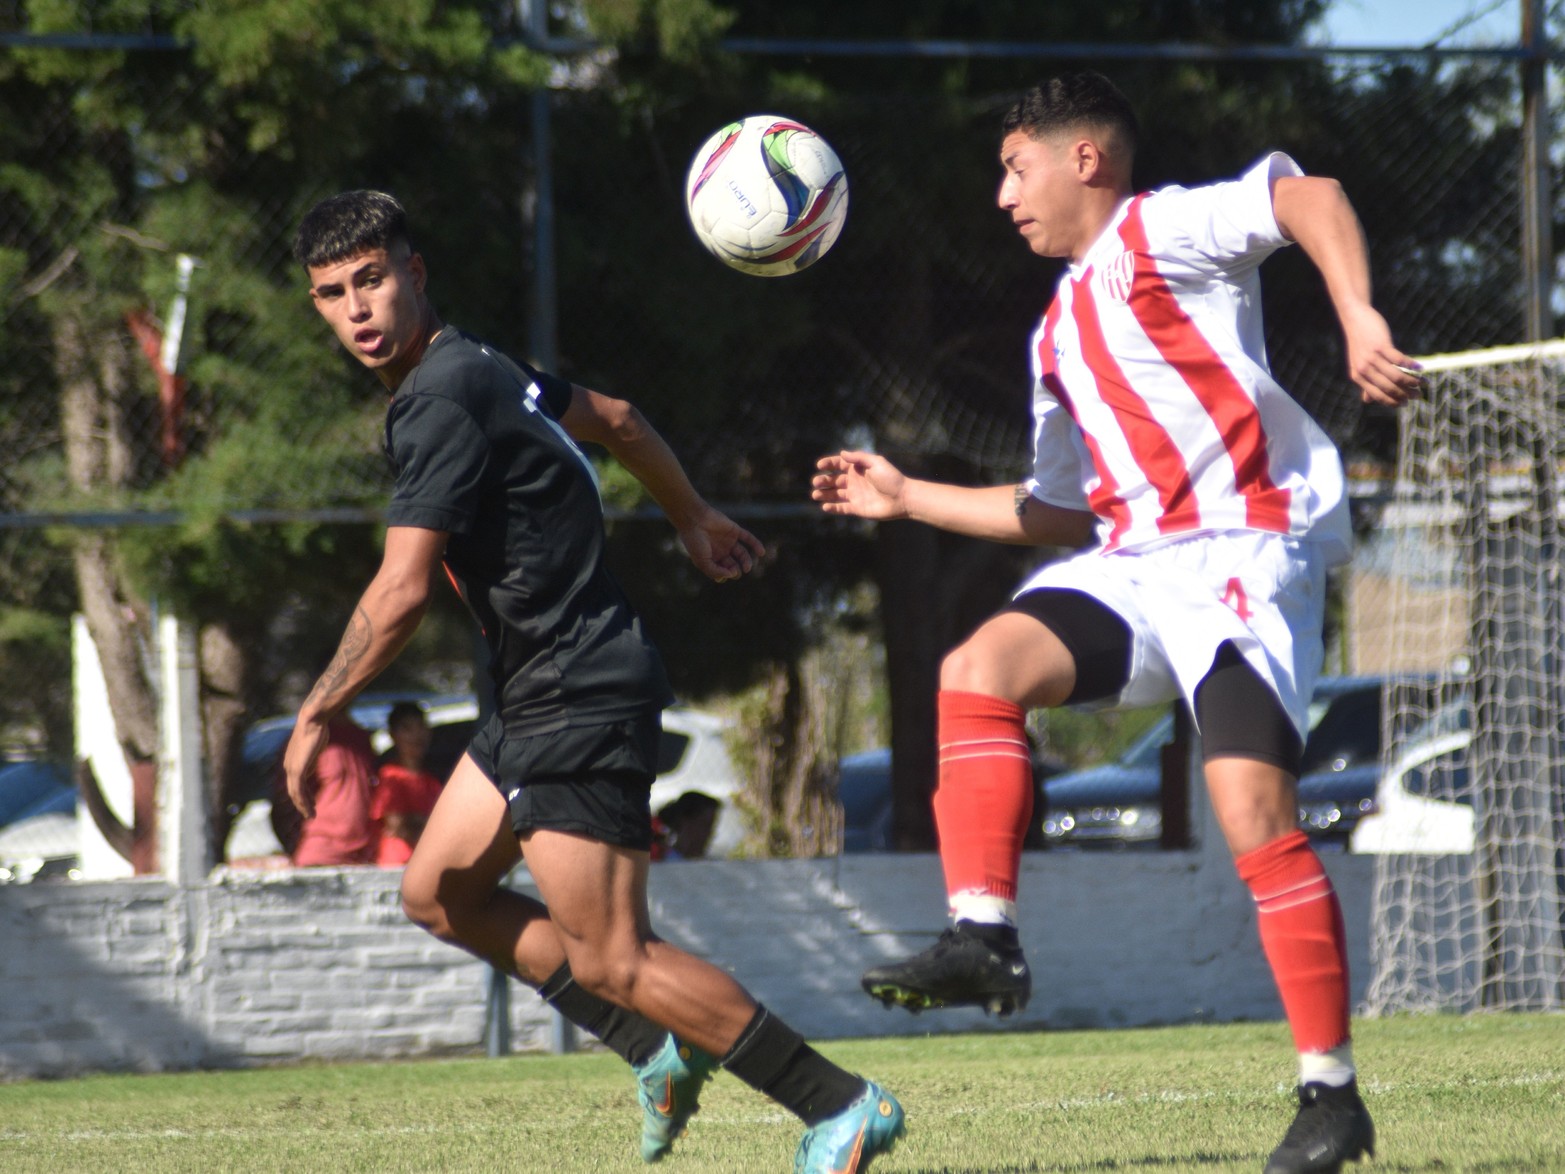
(184, 850)
(1537, 196)
(1539, 245)
(497, 1015)
(543, 332)
(497, 1010)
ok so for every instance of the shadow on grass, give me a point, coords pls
(1182, 1162)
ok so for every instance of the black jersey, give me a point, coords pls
(479, 453)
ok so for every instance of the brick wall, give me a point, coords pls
(254, 968)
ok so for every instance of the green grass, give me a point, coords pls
(1484, 1093)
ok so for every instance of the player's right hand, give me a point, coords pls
(721, 548)
(859, 484)
(304, 747)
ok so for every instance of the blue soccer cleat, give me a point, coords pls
(846, 1143)
(669, 1089)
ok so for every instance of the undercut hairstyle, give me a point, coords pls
(348, 224)
(1074, 102)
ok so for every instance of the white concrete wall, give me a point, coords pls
(259, 967)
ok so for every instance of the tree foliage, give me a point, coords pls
(909, 336)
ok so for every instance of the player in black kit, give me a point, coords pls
(490, 483)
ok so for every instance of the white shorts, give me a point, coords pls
(1266, 593)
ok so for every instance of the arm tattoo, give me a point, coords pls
(355, 642)
(1022, 497)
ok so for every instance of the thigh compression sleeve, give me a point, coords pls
(1240, 716)
(1093, 633)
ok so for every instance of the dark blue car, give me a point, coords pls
(864, 790)
(1119, 803)
(34, 787)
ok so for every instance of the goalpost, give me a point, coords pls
(1469, 563)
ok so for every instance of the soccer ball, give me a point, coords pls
(767, 195)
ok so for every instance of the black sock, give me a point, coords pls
(996, 937)
(634, 1037)
(772, 1058)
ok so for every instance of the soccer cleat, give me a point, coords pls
(846, 1143)
(1332, 1127)
(669, 1089)
(959, 970)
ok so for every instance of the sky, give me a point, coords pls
(1417, 22)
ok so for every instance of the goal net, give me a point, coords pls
(1470, 819)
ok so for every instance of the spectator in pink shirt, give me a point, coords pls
(340, 830)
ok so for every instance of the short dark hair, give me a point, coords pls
(402, 711)
(691, 803)
(348, 224)
(1072, 102)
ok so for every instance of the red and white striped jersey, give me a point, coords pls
(1153, 403)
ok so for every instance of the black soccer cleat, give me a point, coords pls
(1332, 1127)
(959, 970)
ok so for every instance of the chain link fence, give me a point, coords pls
(177, 419)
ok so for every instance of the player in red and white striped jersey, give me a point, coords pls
(1208, 507)
(1153, 351)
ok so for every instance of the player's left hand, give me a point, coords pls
(1383, 373)
(721, 548)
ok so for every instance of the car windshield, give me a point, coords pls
(1347, 732)
(1447, 778)
(1148, 749)
(1454, 717)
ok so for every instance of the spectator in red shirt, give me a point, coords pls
(339, 831)
(406, 792)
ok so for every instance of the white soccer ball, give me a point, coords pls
(767, 195)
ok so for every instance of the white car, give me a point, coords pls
(1424, 802)
(39, 847)
(693, 757)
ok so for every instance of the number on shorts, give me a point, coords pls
(1235, 598)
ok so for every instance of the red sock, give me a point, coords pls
(984, 798)
(1302, 933)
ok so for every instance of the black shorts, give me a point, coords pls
(592, 780)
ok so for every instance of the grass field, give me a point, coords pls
(1478, 1094)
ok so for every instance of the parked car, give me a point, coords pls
(32, 786)
(692, 756)
(40, 847)
(37, 820)
(1116, 803)
(864, 790)
(1119, 803)
(1424, 803)
(452, 717)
